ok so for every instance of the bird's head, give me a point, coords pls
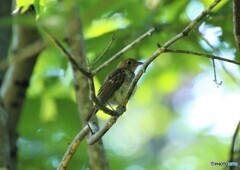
(130, 64)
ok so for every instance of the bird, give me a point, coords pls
(115, 86)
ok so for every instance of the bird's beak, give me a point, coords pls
(139, 63)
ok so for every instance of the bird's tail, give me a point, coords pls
(91, 113)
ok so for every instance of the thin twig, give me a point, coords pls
(72, 148)
(217, 51)
(213, 62)
(161, 50)
(210, 56)
(202, 55)
(104, 52)
(67, 54)
(215, 74)
(129, 46)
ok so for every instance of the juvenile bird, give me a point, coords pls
(116, 84)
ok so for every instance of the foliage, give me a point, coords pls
(154, 133)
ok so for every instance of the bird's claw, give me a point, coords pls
(120, 110)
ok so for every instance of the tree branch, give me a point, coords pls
(192, 24)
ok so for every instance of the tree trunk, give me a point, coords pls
(97, 157)
(15, 84)
(5, 37)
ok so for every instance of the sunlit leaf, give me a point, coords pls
(105, 25)
(48, 110)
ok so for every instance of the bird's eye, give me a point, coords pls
(129, 63)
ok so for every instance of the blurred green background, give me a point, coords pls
(177, 119)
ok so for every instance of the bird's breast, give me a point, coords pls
(120, 95)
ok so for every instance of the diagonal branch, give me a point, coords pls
(192, 24)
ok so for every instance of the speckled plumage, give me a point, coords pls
(116, 84)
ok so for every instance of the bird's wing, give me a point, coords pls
(112, 83)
